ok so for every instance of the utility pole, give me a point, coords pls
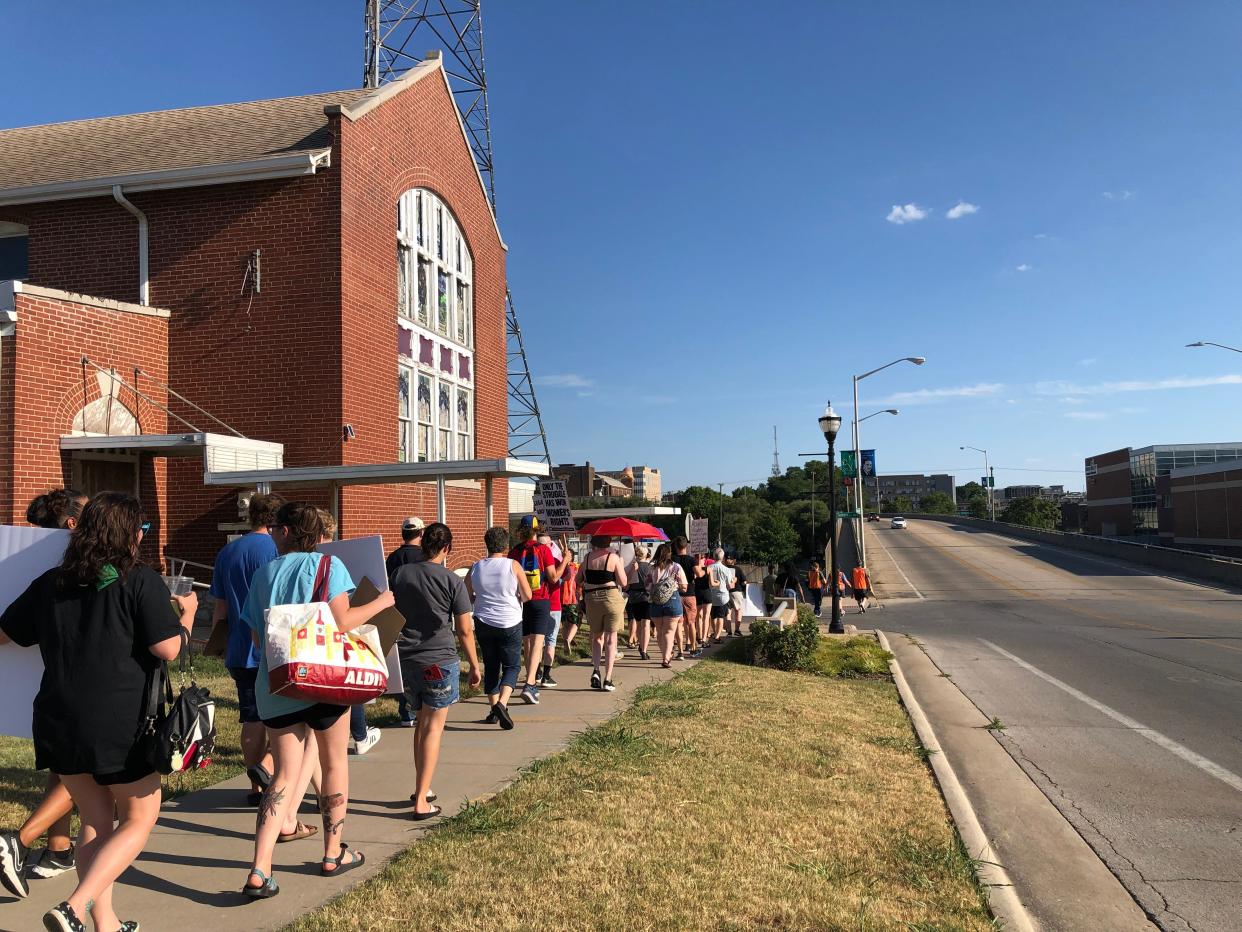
(720, 526)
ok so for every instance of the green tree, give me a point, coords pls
(937, 503)
(901, 505)
(741, 513)
(800, 517)
(978, 508)
(773, 539)
(1033, 512)
(702, 502)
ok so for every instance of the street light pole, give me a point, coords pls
(858, 491)
(720, 526)
(1198, 343)
(988, 480)
(830, 423)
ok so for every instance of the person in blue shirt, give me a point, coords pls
(290, 580)
(235, 567)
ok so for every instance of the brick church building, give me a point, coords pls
(305, 294)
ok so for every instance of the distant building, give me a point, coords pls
(641, 481)
(1200, 507)
(588, 482)
(913, 487)
(1051, 493)
(1122, 495)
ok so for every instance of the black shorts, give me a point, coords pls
(639, 611)
(721, 611)
(128, 775)
(537, 617)
(320, 717)
(247, 704)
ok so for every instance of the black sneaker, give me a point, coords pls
(13, 864)
(503, 716)
(547, 679)
(62, 918)
(596, 682)
(492, 717)
(608, 687)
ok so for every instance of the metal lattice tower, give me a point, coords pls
(398, 32)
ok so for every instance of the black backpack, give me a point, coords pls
(178, 734)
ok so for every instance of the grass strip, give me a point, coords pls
(731, 797)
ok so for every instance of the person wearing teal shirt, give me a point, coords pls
(290, 580)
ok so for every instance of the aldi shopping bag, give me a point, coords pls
(311, 660)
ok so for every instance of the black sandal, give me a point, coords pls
(357, 858)
(269, 889)
(432, 796)
(429, 814)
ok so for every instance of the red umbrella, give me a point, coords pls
(622, 527)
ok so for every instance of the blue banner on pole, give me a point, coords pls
(868, 463)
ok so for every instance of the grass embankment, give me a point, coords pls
(731, 797)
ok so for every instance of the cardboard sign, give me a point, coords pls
(698, 535)
(552, 506)
(26, 553)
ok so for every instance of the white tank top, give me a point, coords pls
(496, 600)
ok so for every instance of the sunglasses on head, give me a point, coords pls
(146, 527)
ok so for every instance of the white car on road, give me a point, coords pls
(898, 524)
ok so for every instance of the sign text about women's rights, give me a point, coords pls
(552, 506)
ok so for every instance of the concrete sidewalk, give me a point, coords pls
(191, 873)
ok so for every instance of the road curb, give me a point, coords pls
(1002, 898)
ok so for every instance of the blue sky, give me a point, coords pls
(700, 205)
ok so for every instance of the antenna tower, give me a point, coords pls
(397, 34)
(776, 454)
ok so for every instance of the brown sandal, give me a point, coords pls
(302, 831)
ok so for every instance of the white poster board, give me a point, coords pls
(552, 506)
(752, 605)
(698, 535)
(25, 554)
(364, 558)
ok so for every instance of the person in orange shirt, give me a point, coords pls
(815, 583)
(862, 586)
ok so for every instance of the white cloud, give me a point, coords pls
(962, 209)
(1024, 267)
(925, 396)
(1136, 385)
(1117, 195)
(567, 380)
(1072, 401)
(907, 213)
(1089, 361)
(1086, 415)
(1041, 235)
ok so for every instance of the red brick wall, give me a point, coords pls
(412, 140)
(46, 386)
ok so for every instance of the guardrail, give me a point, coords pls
(1191, 563)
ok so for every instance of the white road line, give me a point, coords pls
(1207, 766)
(889, 554)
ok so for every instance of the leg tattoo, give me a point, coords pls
(269, 802)
(326, 805)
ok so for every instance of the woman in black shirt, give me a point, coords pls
(103, 623)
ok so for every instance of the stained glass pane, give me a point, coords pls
(424, 398)
(403, 393)
(463, 367)
(439, 232)
(463, 310)
(444, 415)
(446, 360)
(405, 342)
(463, 411)
(463, 447)
(424, 443)
(403, 443)
(459, 252)
(426, 351)
(403, 281)
(442, 312)
(418, 214)
(424, 291)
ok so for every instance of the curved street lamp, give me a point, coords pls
(1199, 343)
(830, 424)
(914, 360)
(987, 475)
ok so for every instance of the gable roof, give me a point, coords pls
(194, 146)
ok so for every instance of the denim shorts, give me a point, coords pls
(247, 704)
(536, 617)
(549, 641)
(670, 609)
(436, 686)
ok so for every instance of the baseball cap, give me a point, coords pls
(413, 523)
(530, 521)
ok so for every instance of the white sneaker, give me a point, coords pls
(370, 741)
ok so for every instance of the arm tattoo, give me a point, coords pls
(270, 801)
(326, 805)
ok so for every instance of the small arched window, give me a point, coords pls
(435, 314)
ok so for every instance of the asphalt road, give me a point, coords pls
(1120, 693)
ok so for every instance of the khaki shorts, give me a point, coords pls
(605, 610)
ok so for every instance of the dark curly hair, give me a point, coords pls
(107, 534)
(54, 509)
(302, 523)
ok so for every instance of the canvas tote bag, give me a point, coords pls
(311, 660)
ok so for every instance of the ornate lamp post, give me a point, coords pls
(830, 423)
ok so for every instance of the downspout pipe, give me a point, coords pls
(144, 278)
